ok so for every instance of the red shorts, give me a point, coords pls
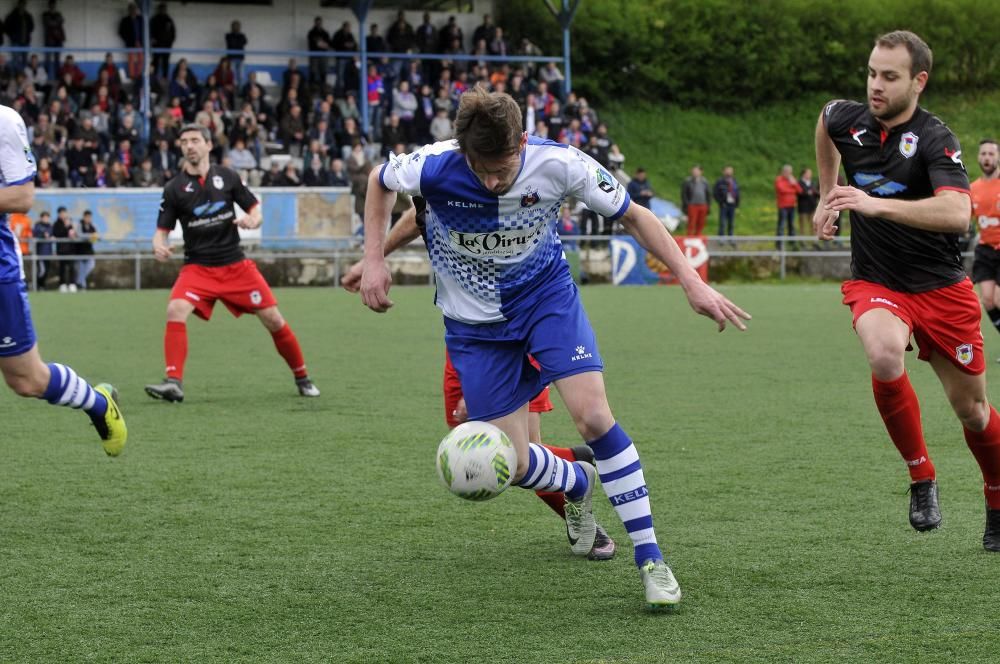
(944, 320)
(240, 286)
(453, 393)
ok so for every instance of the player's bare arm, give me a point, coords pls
(375, 277)
(17, 198)
(251, 220)
(947, 211)
(404, 232)
(161, 245)
(705, 300)
(828, 163)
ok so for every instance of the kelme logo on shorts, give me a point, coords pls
(964, 354)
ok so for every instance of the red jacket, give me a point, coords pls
(786, 191)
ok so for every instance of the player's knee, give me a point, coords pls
(974, 413)
(594, 419)
(886, 361)
(271, 318)
(178, 310)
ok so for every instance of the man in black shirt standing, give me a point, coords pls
(908, 197)
(203, 197)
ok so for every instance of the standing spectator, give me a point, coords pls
(236, 41)
(808, 200)
(65, 233)
(318, 40)
(696, 196)
(19, 25)
(376, 43)
(42, 232)
(616, 162)
(162, 34)
(786, 192)
(483, 31)
(376, 90)
(497, 45)
(85, 248)
(20, 228)
(426, 35)
(130, 31)
(449, 34)
(727, 195)
(54, 37)
(639, 189)
(343, 40)
(401, 37)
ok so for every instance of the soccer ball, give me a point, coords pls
(476, 461)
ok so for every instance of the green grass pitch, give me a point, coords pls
(249, 524)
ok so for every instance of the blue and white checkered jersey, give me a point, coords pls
(17, 166)
(495, 256)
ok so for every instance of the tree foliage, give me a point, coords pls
(737, 54)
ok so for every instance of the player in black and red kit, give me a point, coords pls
(908, 196)
(202, 197)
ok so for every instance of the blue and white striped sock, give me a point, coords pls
(67, 389)
(621, 476)
(547, 472)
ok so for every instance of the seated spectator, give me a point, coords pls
(162, 130)
(292, 176)
(117, 174)
(49, 176)
(273, 177)
(76, 75)
(349, 135)
(175, 110)
(292, 131)
(146, 175)
(315, 175)
(125, 156)
(79, 162)
(571, 135)
(323, 136)
(552, 77)
(404, 105)
(338, 176)
(225, 77)
(36, 75)
(241, 158)
(128, 131)
(555, 119)
(358, 168)
(441, 127)
(209, 117)
(594, 150)
(443, 102)
(616, 160)
(392, 134)
(164, 159)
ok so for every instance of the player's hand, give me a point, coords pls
(351, 280)
(461, 413)
(825, 223)
(162, 252)
(707, 301)
(248, 222)
(851, 198)
(375, 282)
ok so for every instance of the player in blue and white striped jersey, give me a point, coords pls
(20, 362)
(493, 198)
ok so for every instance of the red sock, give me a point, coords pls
(897, 404)
(288, 347)
(175, 348)
(985, 446)
(557, 499)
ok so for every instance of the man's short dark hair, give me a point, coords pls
(488, 124)
(44, 214)
(61, 208)
(921, 57)
(201, 129)
(988, 140)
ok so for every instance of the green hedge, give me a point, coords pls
(737, 54)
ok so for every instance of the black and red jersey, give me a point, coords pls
(205, 208)
(912, 161)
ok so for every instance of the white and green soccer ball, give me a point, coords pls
(476, 461)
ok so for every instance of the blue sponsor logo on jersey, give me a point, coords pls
(209, 208)
(887, 188)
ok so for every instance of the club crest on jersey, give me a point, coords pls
(529, 197)
(908, 144)
(217, 181)
(963, 354)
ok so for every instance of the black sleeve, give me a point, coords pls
(837, 116)
(243, 196)
(168, 213)
(943, 157)
(420, 203)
